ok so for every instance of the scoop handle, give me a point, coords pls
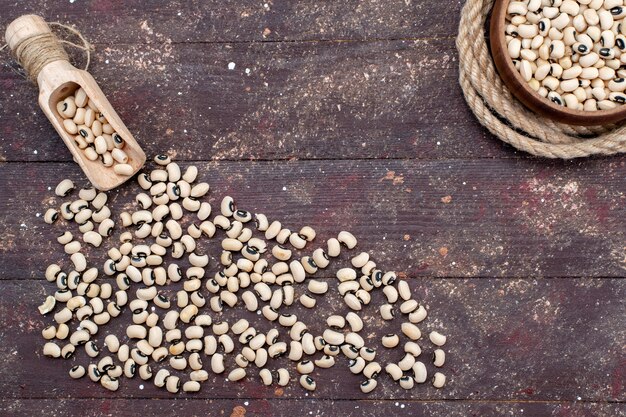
(24, 27)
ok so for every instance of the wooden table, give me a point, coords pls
(338, 114)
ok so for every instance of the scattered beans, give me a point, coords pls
(347, 239)
(163, 244)
(387, 312)
(372, 370)
(419, 372)
(237, 374)
(48, 305)
(335, 321)
(437, 338)
(411, 331)
(64, 188)
(266, 377)
(77, 371)
(412, 348)
(51, 215)
(439, 358)
(390, 341)
(318, 287)
(354, 321)
(191, 386)
(308, 383)
(52, 350)
(368, 385)
(407, 362)
(394, 371)
(439, 380)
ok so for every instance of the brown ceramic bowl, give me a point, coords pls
(520, 88)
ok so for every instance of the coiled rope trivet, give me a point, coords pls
(505, 116)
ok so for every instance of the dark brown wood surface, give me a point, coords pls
(349, 117)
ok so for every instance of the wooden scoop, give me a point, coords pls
(59, 79)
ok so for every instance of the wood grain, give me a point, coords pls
(177, 21)
(265, 408)
(507, 340)
(488, 218)
(301, 100)
(350, 116)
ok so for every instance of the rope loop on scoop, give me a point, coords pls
(35, 52)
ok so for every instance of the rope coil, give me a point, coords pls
(505, 116)
(35, 52)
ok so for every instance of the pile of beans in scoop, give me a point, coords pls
(92, 132)
(158, 274)
(570, 51)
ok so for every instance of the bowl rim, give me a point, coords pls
(522, 90)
